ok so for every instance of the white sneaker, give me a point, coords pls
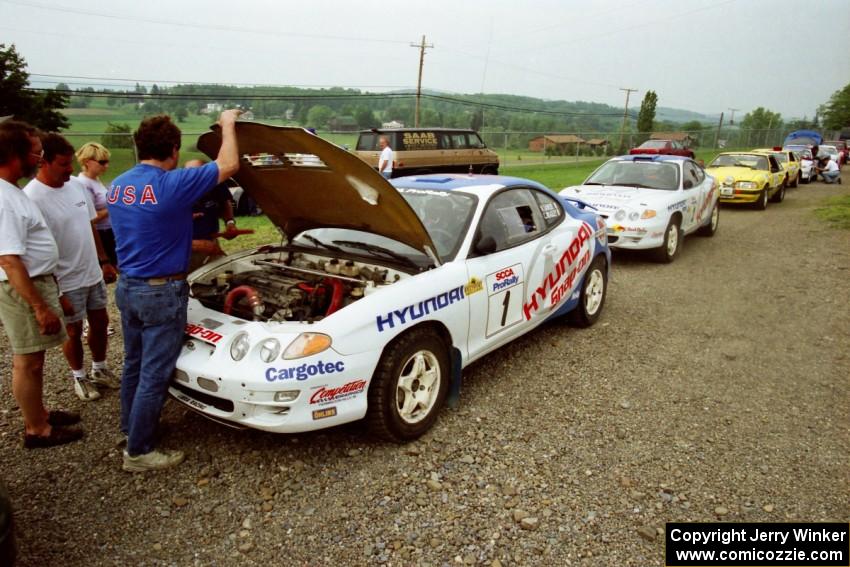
(86, 390)
(105, 378)
(155, 460)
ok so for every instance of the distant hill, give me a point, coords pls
(679, 115)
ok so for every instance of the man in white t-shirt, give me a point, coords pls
(385, 162)
(29, 297)
(830, 172)
(83, 264)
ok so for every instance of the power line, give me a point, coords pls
(202, 83)
(625, 113)
(184, 24)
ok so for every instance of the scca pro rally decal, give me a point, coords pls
(559, 281)
(202, 333)
(304, 371)
(325, 395)
(504, 278)
(419, 310)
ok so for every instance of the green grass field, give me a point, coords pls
(835, 212)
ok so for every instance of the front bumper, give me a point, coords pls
(734, 195)
(243, 395)
(636, 235)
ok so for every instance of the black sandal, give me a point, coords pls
(58, 436)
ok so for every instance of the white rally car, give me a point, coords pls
(651, 202)
(377, 296)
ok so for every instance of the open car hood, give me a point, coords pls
(302, 182)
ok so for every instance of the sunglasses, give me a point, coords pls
(103, 161)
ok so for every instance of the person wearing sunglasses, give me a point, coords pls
(94, 161)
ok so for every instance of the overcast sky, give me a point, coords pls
(703, 55)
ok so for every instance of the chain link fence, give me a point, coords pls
(514, 148)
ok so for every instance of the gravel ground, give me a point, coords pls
(715, 388)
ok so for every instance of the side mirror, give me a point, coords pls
(485, 245)
(688, 184)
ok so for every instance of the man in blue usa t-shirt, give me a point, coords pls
(151, 211)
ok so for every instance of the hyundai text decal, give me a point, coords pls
(202, 333)
(325, 395)
(304, 371)
(418, 310)
(552, 282)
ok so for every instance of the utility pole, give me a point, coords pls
(717, 135)
(732, 117)
(625, 113)
(422, 46)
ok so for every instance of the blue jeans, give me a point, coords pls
(387, 174)
(830, 176)
(153, 320)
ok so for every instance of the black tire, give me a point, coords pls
(667, 252)
(490, 170)
(384, 416)
(761, 204)
(779, 196)
(710, 227)
(592, 299)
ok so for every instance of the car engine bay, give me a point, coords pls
(287, 286)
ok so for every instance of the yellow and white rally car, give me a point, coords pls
(789, 162)
(748, 177)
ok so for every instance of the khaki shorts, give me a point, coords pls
(19, 320)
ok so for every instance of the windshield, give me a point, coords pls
(445, 214)
(803, 151)
(643, 174)
(653, 144)
(750, 161)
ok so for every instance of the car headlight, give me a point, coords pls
(745, 185)
(729, 180)
(269, 349)
(648, 214)
(620, 215)
(239, 347)
(307, 344)
(633, 216)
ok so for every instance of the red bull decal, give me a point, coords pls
(554, 281)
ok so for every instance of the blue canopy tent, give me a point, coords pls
(803, 138)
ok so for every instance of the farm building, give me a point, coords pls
(539, 143)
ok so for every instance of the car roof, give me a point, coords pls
(652, 157)
(455, 181)
(390, 130)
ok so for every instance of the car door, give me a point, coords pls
(776, 173)
(701, 191)
(517, 242)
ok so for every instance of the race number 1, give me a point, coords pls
(505, 292)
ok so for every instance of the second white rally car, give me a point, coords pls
(378, 294)
(651, 202)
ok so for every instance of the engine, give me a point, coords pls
(301, 290)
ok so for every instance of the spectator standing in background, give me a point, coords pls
(151, 210)
(83, 266)
(385, 161)
(94, 161)
(29, 296)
